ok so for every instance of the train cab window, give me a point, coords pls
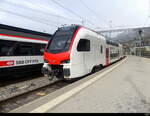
(6, 47)
(101, 49)
(23, 50)
(83, 45)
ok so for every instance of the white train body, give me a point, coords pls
(81, 52)
(82, 63)
(9, 59)
(21, 51)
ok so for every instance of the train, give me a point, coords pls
(21, 51)
(75, 51)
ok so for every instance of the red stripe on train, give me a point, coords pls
(22, 37)
(74, 37)
(7, 63)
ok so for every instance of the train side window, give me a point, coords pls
(39, 49)
(42, 51)
(101, 49)
(83, 45)
(23, 50)
(6, 47)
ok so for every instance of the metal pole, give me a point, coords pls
(140, 37)
(83, 22)
(110, 26)
(58, 20)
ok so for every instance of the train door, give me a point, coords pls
(107, 56)
(84, 49)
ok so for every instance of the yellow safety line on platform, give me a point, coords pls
(63, 97)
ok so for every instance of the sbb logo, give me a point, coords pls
(6, 63)
(10, 63)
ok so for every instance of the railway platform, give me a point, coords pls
(122, 87)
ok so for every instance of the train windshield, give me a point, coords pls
(61, 40)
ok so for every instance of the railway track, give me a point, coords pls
(16, 95)
(21, 87)
(17, 92)
(15, 102)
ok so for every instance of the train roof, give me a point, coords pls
(68, 27)
(76, 26)
(17, 29)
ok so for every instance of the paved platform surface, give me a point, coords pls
(126, 89)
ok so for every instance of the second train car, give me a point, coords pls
(21, 51)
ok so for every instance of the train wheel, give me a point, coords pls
(94, 69)
(51, 78)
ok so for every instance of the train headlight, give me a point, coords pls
(65, 62)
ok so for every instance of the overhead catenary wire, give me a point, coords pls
(39, 11)
(27, 17)
(85, 5)
(72, 12)
(43, 20)
(91, 10)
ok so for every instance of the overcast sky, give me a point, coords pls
(47, 15)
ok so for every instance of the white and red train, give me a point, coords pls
(21, 50)
(75, 51)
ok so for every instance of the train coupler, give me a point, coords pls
(49, 73)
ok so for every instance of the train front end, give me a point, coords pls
(57, 54)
